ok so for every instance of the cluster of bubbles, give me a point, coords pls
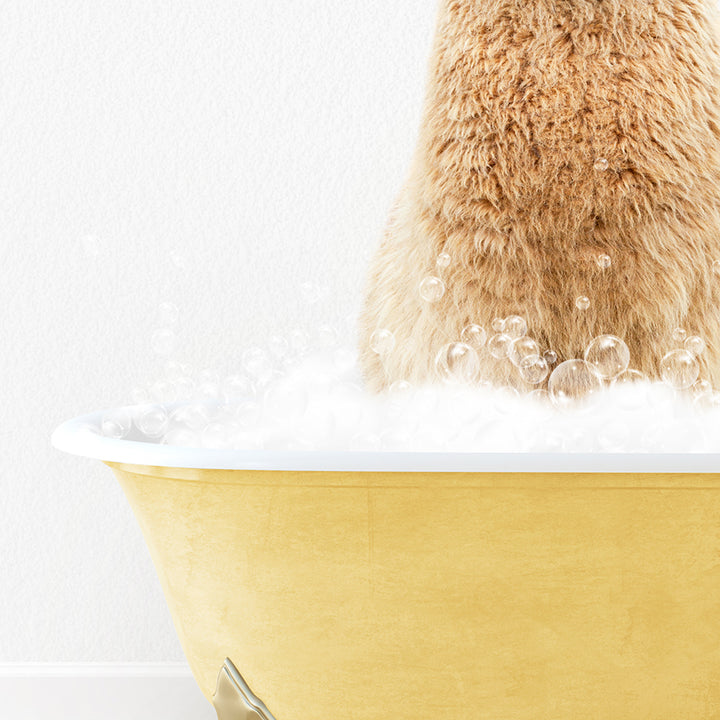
(304, 392)
(606, 361)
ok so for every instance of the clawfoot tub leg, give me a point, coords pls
(234, 700)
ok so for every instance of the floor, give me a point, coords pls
(130, 698)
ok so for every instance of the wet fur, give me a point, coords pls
(523, 98)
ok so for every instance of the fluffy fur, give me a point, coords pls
(523, 98)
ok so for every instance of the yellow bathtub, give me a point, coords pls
(419, 586)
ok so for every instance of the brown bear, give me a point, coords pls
(568, 172)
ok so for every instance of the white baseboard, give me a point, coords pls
(101, 691)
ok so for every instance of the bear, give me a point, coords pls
(567, 171)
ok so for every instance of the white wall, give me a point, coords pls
(214, 154)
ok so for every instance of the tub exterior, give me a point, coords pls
(442, 595)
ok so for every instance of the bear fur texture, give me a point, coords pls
(524, 99)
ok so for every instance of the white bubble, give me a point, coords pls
(571, 381)
(163, 391)
(168, 313)
(139, 395)
(116, 424)
(164, 341)
(604, 261)
(582, 303)
(278, 346)
(534, 369)
(515, 326)
(457, 363)
(299, 341)
(695, 345)
(702, 387)
(432, 289)
(235, 388)
(679, 335)
(174, 370)
(326, 336)
(443, 260)
(608, 356)
(550, 356)
(520, 348)
(601, 164)
(499, 345)
(474, 336)
(679, 369)
(257, 364)
(382, 342)
(207, 392)
(193, 417)
(498, 325)
(152, 420)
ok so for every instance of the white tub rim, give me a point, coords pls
(77, 438)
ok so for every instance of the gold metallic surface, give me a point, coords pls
(430, 596)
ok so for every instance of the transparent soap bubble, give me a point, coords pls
(168, 313)
(604, 261)
(540, 395)
(499, 345)
(382, 342)
(522, 347)
(679, 369)
(702, 387)
(432, 289)
(457, 363)
(608, 356)
(326, 336)
(207, 392)
(139, 395)
(164, 341)
(534, 369)
(152, 420)
(515, 326)
(695, 345)
(630, 376)
(550, 356)
(571, 381)
(582, 303)
(116, 423)
(194, 416)
(163, 391)
(278, 346)
(679, 335)
(474, 336)
(498, 325)
(257, 364)
(235, 388)
(443, 260)
(601, 164)
(299, 341)
(173, 369)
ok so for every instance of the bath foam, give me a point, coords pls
(319, 404)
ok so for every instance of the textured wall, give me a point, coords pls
(211, 154)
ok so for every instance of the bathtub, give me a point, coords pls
(419, 586)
